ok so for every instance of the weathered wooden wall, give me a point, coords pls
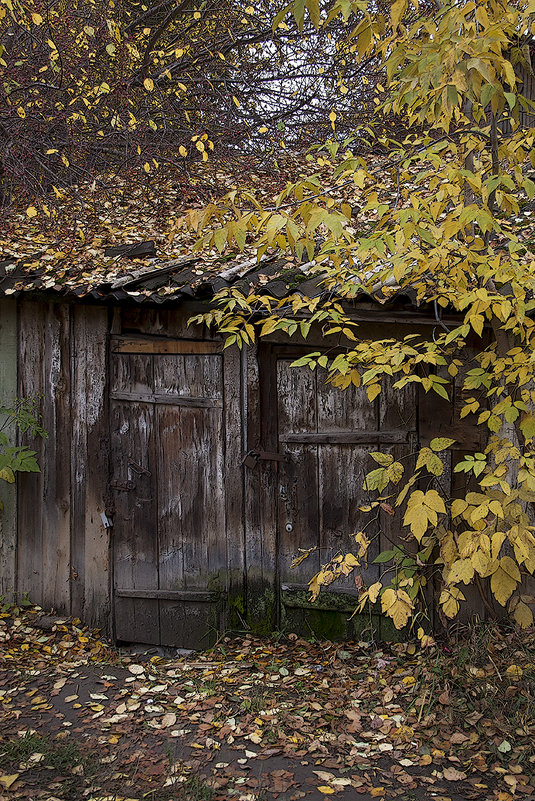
(8, 492)
(63, 548)
(134, 396)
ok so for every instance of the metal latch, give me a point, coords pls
(252, 458)
(126, 486)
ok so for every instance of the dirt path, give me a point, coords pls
(261, 721)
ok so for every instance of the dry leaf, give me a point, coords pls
(453, 775)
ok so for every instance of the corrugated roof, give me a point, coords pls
(186, 277)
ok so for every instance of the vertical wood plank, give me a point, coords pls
(135, 522)
(298, 496)
(90, 591)
(397, 410)
(8, 492)
(233, 486)
(342, 469)
(191, 508)
(56, 467)
(191, 519)
(261, 492)
(32, 337)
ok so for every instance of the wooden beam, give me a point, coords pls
(351, 593)
(185, 347)
(347, 438)
(170, 595)
(168, 399)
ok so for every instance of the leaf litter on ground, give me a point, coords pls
(262, 719)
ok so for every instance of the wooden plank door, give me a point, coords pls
(167, 479)
(326, 436)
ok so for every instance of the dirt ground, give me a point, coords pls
(258, 720)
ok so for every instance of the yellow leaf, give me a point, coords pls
(182, 150)
(374, 590)
(481, 562)
(441, 443)
(458, 507)
(8, 780)
(523, 615)
(332, 117)
(498, 539)
(434, 501)
(37, 19)
(146, 166)
(397, 605)
(461, 570)
(236, 101)
(325, 789)
(504, 580)
(31, 211)
(8, 475)
(396, 12)
(449, 600)
(148, 83)
(263, 129)
(372, 391)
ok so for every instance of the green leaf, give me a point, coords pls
(486, 93)
(220, 239)
(511, 99)
(384, 556)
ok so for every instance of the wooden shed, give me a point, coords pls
(180, 479)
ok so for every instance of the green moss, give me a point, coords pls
(326, 625)
(261, 607)
(330, 617)
(327, 601)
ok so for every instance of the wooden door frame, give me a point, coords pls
(234, 528)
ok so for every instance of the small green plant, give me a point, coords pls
(15, 609)
(255, 702)
(24, 416)
(196, 789)
(60, 755)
